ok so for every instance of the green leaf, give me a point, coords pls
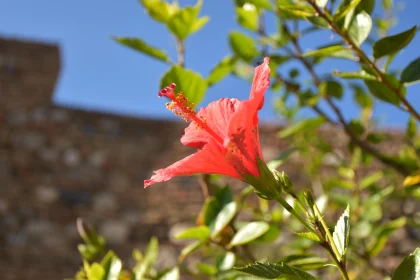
(296, 11)
(371, 179)
(309, 235)
(275, 270)
(305, 261)
(260, 4)
(112, 266)
(411, 130)
(383, 92)
(207, 269)
(200, 232)
(411, 73)
(341, 233)
(185, 21)
(345, 7)
(141, 46)
(355, 75)
(248, 233)
(160, 10)
(190, 83)
(409, 268)
(271, 235)
(304, 125)
(247, 17)
(189, 249)
(242, 45)
(172, 274)
(223, 218)
(381, 234)
(227, 262)
(331, 88)
(221, 70)
(360, 28)
(392, 44)
(336, 51)
(149, 259)
(366, 5)
(361, 97)
(95, 272)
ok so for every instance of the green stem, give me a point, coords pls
(327, 231)
(293, 212)
(339, 264)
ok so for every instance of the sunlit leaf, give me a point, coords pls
(345, 7)
(242, 45)
(221, 70)
(160, 10)
(200, 232)
(247, 17)
(248, 233)
(360, 27)
(141, 46)
(342, 233)
(409, 268)
(275, 270)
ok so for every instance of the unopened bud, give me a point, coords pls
(283, 180)
(309, 200)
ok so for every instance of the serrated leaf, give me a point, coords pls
(190, 83)
(249, 233)
(312, 124)
(275, 270)
(221, 70)
(411, 73)
(242, 45)
(360, 27)
(409, 268)
(141, 46)
(383, 92)
(200, 232)
(247, 17)
(223, 218)
(160, 10)
(342, 232)
(392, 44)
(345, 7)
(309, 235)
(185, 21)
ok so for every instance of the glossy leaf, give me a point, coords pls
(259, 4)
(221, 70)
(360, 27)
(141, 46)
(409, 268)
(275, 270)
(223, 218)
(392, 44)
(172, 274)
(95, 272)
(190, 83)
(303, 125)
(189, 249)
(200, 232)
(321, 3)
(112, 266)
(247, 16)
(342, 233)
(148, 261)
(296, 11)
(249, 233)
(242, 45)
(411, 73)
(227, 262)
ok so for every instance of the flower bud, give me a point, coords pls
(283, 180)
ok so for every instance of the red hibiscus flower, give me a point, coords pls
(225, 132)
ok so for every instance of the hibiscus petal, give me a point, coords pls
(260, 83)
(210, 160)
(216, 116)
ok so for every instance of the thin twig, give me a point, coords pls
(180, 48)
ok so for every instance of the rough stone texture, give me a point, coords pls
(57, 164)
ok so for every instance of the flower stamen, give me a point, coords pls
(182, 107)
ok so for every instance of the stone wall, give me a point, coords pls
(57, 164)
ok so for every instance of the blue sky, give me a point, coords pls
(100, 74)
